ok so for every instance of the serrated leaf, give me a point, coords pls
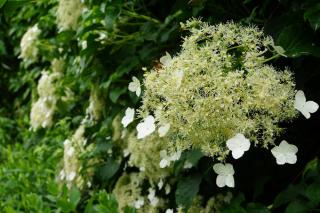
(187, 189)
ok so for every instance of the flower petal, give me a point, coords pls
(220, 181)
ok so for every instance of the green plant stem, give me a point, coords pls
(271, 58)
(136, 15)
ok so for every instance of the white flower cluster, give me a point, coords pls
(238, 145)
(29, 49)
(68, 13)
(284, 153)
(71, 163)
(43, 109)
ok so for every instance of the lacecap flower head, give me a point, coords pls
(216, 88)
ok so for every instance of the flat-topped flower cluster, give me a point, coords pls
(216, 87)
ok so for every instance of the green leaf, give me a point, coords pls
(297, 207)
(310, 167)
(116, 93)
(288, 195)
(312, 14)
(108, 170)
(187, 189)
(74, 197)
(194, 156)
(2, 2)
(296, 40)
(257, 208)
(313, 192)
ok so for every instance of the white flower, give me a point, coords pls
(166, 60)
(152, 198)
(70, 151)
(166, 159)
(71, 176)
(179, 77)
(139, 203)
(62, 175)
(176, 156)
(135, 86)
(160, 184)
(304, 106)
(126, 152)
(128, 118)
(169, 211)
(167, 189)
(285, 153)
(146, 127)
(238, 145)
(225, 174)
(163, 130)
(187, 165)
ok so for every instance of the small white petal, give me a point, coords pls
(166, 60)
(169, 211)
(164, 163)
(229, 180)
(135, 86)
(187, 165)
(71, 176)
(128, 118)
(163, 130)
(160, 184)
(220, 181)
(146, 127)
(70, 151)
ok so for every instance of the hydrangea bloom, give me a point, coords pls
(285, 153)
(225, 174)
(68, 13)
(304, 106)
(217, 86)
(135, 86)
(238, 145)
(29, 50)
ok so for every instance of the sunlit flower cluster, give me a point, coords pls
(68, 13)
(43, 109)
(216, 88)
(29, 49)
(96, 105)
(70, 173)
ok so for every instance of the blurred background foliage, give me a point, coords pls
(138, 33)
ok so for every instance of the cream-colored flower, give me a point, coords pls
(285, 153)
(304, 106)
(128, 118)
(146, 127)
(238, 145)
(166, 60)
(225, 174)
(135, 86)
(163, 130)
